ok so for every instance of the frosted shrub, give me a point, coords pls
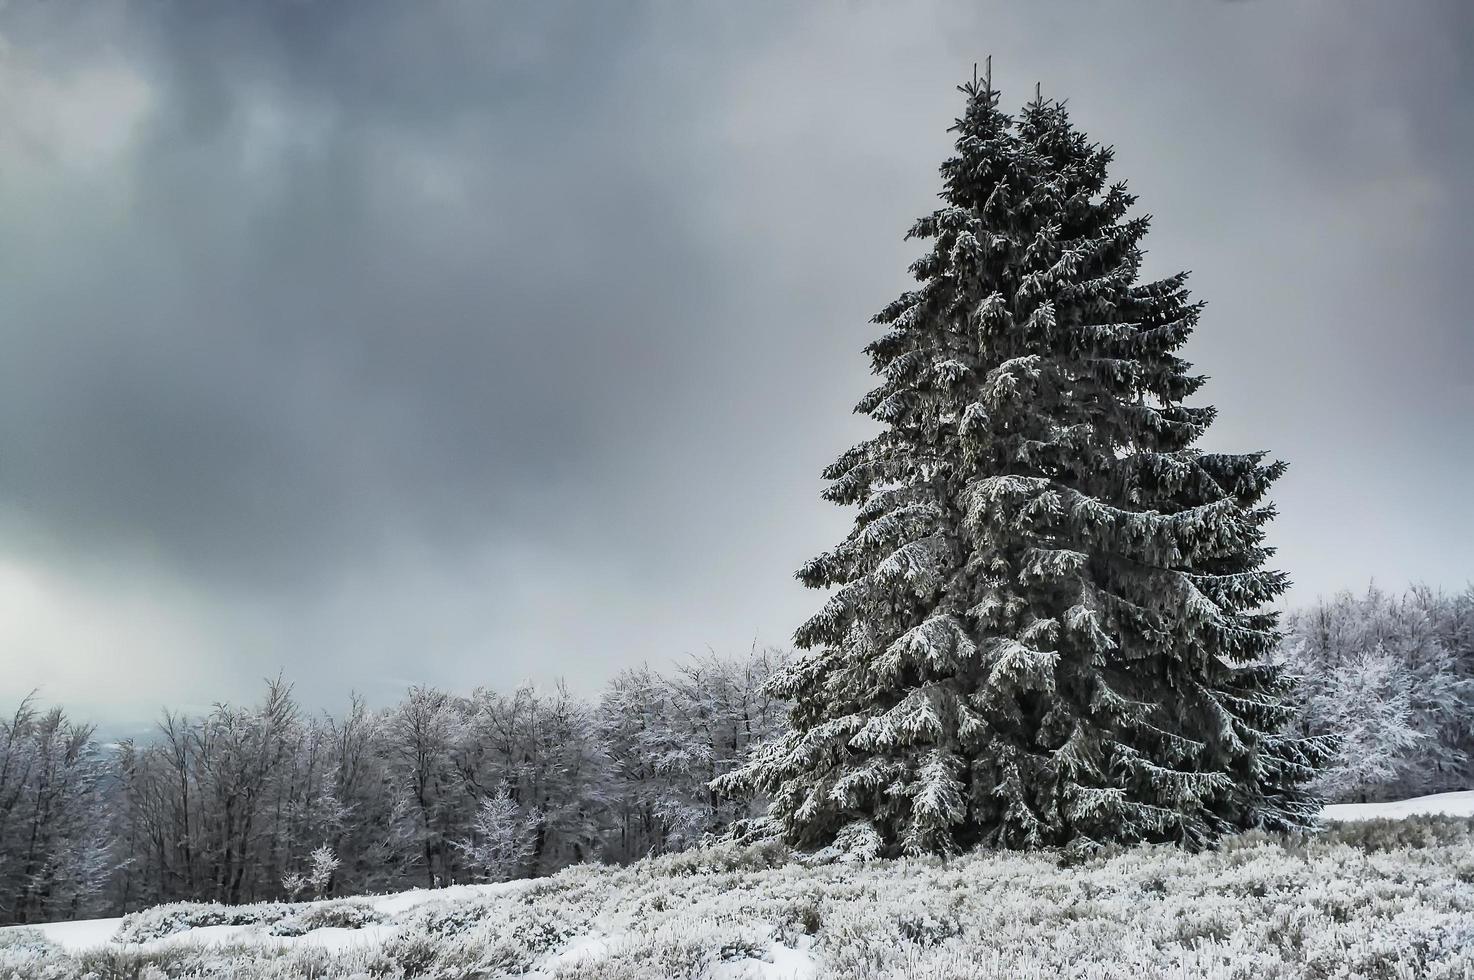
(166, 920)
(294, 884)
(322, 864)
(1374, 900)
(336, 915)
(24, 939)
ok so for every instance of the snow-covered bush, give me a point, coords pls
(22, 939)
(721, 856)
(342, 914)
(294, 883)
(483, 939)
(166, 920)
(321, 865)
(283, 918)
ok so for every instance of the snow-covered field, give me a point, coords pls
(1369, 897)
(179, 923)
(1447, 804)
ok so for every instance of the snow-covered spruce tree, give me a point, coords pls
(1047, 623)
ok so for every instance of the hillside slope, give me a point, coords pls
(1369, 897)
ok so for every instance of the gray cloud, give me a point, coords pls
(385, 342)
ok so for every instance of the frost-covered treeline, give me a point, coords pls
(1393, 677)
(54, 855)
(270, 801)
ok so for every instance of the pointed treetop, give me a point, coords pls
(976, 88)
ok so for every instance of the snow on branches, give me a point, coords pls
(1046, 623)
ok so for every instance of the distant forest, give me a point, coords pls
(270, 801)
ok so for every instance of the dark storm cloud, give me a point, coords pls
(368, 278)
(464, 342)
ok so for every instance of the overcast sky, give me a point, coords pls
(466, 343)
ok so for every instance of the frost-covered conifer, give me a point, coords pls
(1046, 625)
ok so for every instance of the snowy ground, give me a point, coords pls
(1369, 897)
(87, 934)
(1448, 804)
